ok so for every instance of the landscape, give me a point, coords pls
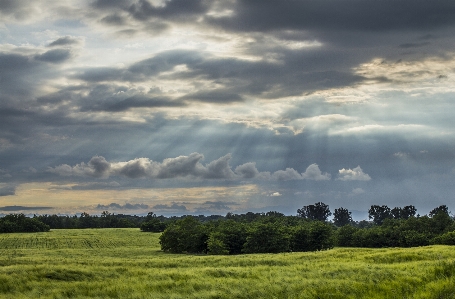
(255, 255)
(227, 149)
(128, 263)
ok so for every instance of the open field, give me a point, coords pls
(127, 263)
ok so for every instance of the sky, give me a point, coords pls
(209, 106)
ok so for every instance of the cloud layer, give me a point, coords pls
(300, 92)
(192, 168)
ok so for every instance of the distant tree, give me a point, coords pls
(403, 213)
(342, 217)
(266, 238)
(396, 213)
(320, 237)
(319, 211)
(184, 235)
(19, 223)
(408, 212)
(441, 209)
(86, 221)
(345, 236)
(379, 213)
(274, 214)
(153, 224)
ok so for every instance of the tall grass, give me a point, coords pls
(127, 263)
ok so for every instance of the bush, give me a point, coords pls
(19, 223)
(266, 238)
(185, 235)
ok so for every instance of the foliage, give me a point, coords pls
(19, 223)
(266, 238)
(185, 235)
(153, 224)
(379, 213)
(319, 211)
(342, 217)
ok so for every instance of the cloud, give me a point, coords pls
(286, 175)
(314, 173)
(173, 207)
(64, 41)
(7, 190)
(183, 167)
(219, 205)
(401, 155)
(276, 194)
(22, 208)
(329, 15)
(355, 174)
(126, 206)
(247, 170)
(357, 191)
(54, 56)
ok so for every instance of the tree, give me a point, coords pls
(153, 225)
(403, 213)
(342, 217)
(319, 211)
(441, 209)
(379, 213)
(345, 236)
(184, 235)
(408, 212)
(266, 238)
(19, 223)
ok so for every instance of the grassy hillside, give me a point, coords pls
(126, 263)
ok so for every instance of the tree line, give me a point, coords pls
(273, 231)
(310, 230)
(19, 223)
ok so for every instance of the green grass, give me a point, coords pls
(127, 263)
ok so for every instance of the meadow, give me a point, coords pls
(128, 263)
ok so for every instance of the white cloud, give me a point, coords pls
(183, 167)
(355, 174)
(314, 173)
(275, 194)
(400, 155)
(286, 175)
(357, 191)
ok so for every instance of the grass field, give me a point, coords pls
(127, 263)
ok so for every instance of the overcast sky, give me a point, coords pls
(216, 106)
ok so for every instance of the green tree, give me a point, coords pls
(184, 235)
(319, 211)
(379, 213)
(266, 238)
(345, 236)
(441, 209)
(342, 217)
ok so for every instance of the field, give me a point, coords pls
(127, 263)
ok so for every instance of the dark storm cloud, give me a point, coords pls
(114, 19)
(143, 9)
(216, 96)
(141, 102)
(106, 4)
(298, 73)
(7, 190)
(414, 45)
(54, 56)
(18, 9)
(22, 208)
(363, 15)
(64, 41)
